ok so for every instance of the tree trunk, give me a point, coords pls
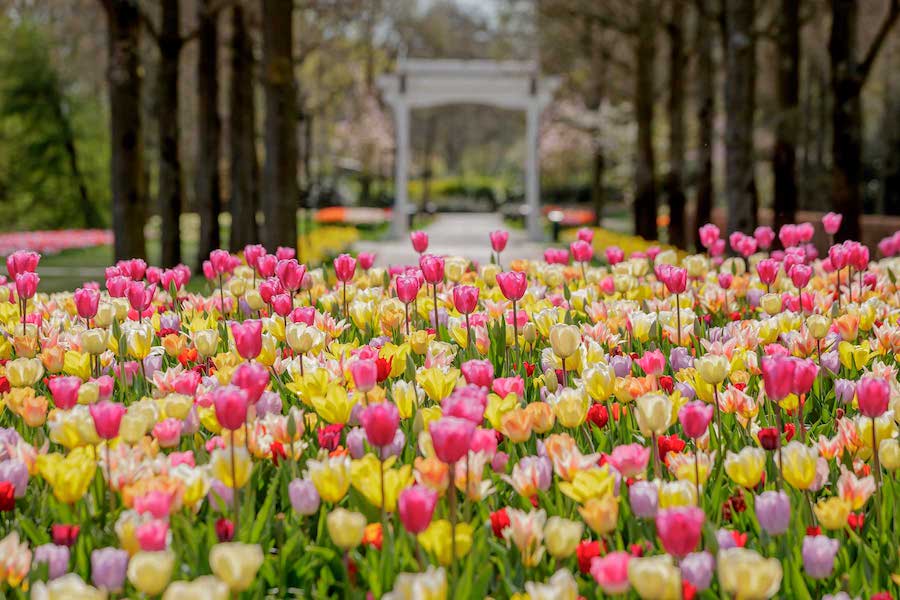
(598, 54)
(848, 76)
(279, 199)
(788, 91)
(705, 94)
(170, 189)
(675, 179)
(740, 187)
(242, 125)
(127, 159)
(208, 191)
(645, 186)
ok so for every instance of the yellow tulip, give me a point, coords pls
(799, 465)
(68, 587)
(139, 340)
(436, 540)
(335, 406)
(205, 587)
(601, 514)
(77, 363)
(437, 383)
(590, 483)
(430, 585)
(746, 467)
(68, 476)
(745, 575)
(889, 454)
(562, 536)
(885, 429)
(713, 368)
(331, 476)
(220, 465)
(150, 572)
(398, 356)
(564, 339)
(818, 326)
(599, 381)
(24, 372)
(570, 407)
(677, 493)
(236, 564)
(655, 577)
(268, 351)
(206, 341)
(653, 413)
(832, 512)
(366, 479)
(497, 407)
(345, 528)
(88, 393)
(406, 398)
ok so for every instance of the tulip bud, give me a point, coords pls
(106, 312)
(345, 528)
(771, 303)
(236, 564)
(206, 342)
(150, 572)
(564, 339)
(551, 382)
(95, 341)
(529, 332)
(889, 454)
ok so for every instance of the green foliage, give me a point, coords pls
(53, 142)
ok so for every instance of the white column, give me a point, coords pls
(401, 166)
(532, 172)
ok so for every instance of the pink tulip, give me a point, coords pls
(152, 536)
(498, 240)
(465, 298)
(764, 236)
(220, 261)
(285, 253)
(611, 572)
(478, 372)
(556, 256)
(788, 235)
(709, 233)
(513, 284)
(168, 432)
(695, 417)
(107, 416)
(252, 254)
(366, 260)
(805, 372)
(186, 383)
(137, 295)
(585, 234)
(451, 437)
(873, 395)
(419, 241)
(26, 284)
(859, 256)
(746, 246)
(581, 251)
(282, 304)
(344, 267)
(117, 286)
(800, 275)
(407, 288)
(304, 314)
(432, 268)
(231, 406)
(64, 391)
(652, 362)
(156, 503)
(725, 280)
(484, 440)
(839, 256)
(86, 302)
(265, 265)
(252, 378)
(630, 459)
(365, 374)
(778, 376)
(679, 529)
(675, 280)
(503, 386)
(248, 338)
(614, 255)
(832, 222)
(805, 232)
(415, 507)
(767, 269)
(270, 288)
(380, 421)
(290, 273)
(22, 261)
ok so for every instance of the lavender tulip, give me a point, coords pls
(56, 558)
(304, 497)
(697, 569)
(773, 511)
(108, 567)
(818, 555)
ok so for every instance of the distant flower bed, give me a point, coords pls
(325, 242)
(51, 242)
(604, 238)
(351, 215)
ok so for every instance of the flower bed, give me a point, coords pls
(645, 425)
(51, 242)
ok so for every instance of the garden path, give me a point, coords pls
(456, 234)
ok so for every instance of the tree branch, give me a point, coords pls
(866, 65)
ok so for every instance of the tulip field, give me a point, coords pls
(644, 425)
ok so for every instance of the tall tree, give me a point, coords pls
(244, 165)
(279, 185)
(208, 189)
(170, 43)
(127, 155)
(645, 184)
(784, 157)
(848, 76)
(740, 49)
(705, 107)
(675, 107)
(597, 54)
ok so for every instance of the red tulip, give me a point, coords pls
(290, 273)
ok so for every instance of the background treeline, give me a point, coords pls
(124, 112)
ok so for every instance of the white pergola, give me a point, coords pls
(515, 85)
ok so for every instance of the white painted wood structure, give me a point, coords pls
(514, 85)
